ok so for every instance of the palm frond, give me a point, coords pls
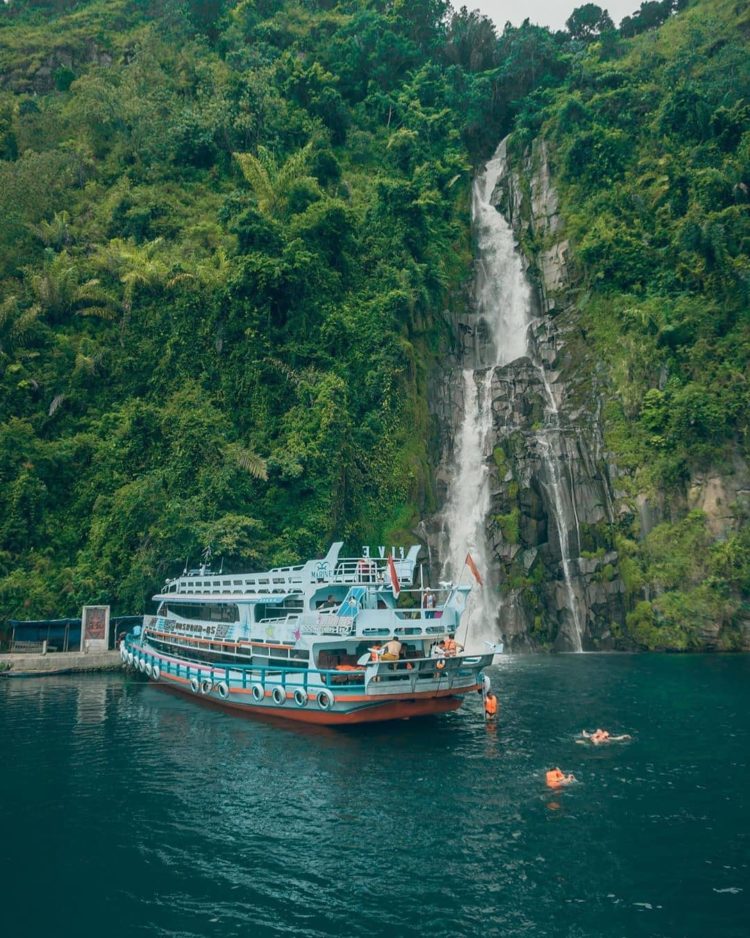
(247, 460)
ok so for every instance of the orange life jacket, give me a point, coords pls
(450, 646)
(490, 705)
(555, 778)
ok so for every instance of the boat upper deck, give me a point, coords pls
(286, 581)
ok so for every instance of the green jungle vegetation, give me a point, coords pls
(229, 228)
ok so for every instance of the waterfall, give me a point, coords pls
(558, 509)
(503, 304)
(557, 502)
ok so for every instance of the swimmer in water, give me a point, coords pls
(557, 779)
(600, 736)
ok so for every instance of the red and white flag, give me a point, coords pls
(395, 585)
(473, 567)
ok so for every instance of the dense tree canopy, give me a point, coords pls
(229, 230)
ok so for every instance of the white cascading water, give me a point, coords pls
(548, 457)
(503, 304)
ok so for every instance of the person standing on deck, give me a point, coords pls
(452, 647)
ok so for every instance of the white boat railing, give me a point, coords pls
(290, 579)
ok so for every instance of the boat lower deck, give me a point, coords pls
(380, 691)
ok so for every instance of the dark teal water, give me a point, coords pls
(126, 810)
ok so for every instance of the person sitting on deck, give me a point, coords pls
(438, 651)
(406, 653)
(392, 650)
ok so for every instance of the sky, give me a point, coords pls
(551, 13)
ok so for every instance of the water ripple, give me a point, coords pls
(183, 820)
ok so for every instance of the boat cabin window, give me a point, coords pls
(205, 612)
(328, 601)
(266, 611)
(332, 658)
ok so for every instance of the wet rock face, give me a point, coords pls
(531, 526)
(40, 74)
(549, 529)
(553, 496)
(556, 494)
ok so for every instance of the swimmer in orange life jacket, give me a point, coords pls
(556, 779)
(490, 706)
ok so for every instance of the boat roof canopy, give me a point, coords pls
(270, 599)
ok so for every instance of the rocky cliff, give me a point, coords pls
(559, 503)
(551, 526)
(553, 566)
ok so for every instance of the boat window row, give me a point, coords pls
(205, 612)
(232, 654)
(268, 612)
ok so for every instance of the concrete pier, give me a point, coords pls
(38, 665)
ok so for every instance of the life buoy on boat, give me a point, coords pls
(155, 672)
(148, 669)
(258, 692)
(194, 685)
(300, 697)
(325, 699)
(206, 685)
(223, 688)
(279, 696)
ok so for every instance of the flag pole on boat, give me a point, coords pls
(469, 562)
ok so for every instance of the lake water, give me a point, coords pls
(127, 810)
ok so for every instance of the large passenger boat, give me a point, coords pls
(333, 641)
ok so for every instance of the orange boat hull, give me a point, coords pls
(369, 713)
